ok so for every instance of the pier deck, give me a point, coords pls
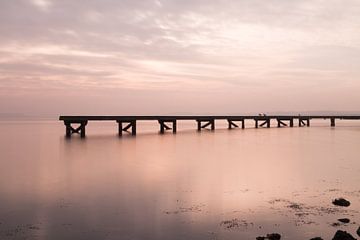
(126, 123)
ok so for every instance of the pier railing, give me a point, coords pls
(77, 124)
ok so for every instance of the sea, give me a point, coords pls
(222, 184)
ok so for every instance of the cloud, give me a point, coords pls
(42, 4)
(191, 45)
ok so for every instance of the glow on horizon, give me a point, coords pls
(186, 56)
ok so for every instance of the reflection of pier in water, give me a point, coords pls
(129, 122)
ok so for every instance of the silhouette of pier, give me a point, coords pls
(77, 124)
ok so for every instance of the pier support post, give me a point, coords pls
(232, 124)
(164, 127)
(82, 130)
(133, 128)
(280, 123)
(256, 123)
(301, 122)
(130, 124)
(69, 129)
(120, 128)
(210, 122)
(332, 120)
(174, 126)
(291, 122)
(265, 123)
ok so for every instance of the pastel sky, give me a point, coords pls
(178, 56)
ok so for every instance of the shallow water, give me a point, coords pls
(225, 184)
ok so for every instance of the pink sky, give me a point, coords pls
(178, 56)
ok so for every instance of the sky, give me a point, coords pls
(178, 56)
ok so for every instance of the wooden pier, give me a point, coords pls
(77, 124)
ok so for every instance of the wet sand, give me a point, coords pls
(227, 184)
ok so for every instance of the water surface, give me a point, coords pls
(225, 184)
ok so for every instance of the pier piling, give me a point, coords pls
(332, 122)
(208, 122)
(266, 122)
(71, 130)
(164, 127)
(231, 124)
(301, 122)
(281, 123)
(130, 124)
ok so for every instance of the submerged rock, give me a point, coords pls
(358, 232)
(260, 238)
(271, 236)
(344, 220)
(317, 238)
(343, 235)
(341, 202)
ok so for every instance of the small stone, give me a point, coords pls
(273, 236)
(358, 232)
(341, 202)
(34, 228)
(344, 220)
(270, 236)
(317, 238)
(343, 235)
(260, 238)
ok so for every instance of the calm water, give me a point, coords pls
(227, 184)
